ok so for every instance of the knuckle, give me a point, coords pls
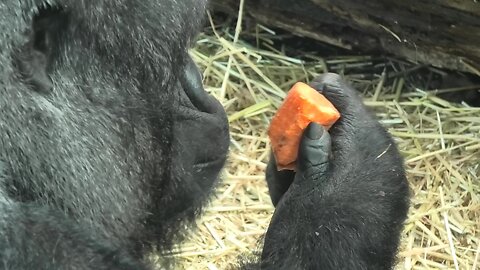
(330, 79)
(316, 170)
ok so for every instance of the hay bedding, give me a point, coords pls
(439, 140)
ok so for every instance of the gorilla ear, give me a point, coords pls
(34, 57)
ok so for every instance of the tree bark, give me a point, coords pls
(442, 33)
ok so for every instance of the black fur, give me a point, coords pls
(109, 146)
(91, 98)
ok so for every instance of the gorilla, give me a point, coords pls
(109, 148)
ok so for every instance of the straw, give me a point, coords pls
(250, 71)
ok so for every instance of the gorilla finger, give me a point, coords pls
(314, 151)
(340, 93)
(191, 81)
(278, 181)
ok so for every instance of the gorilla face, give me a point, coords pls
(104, 115)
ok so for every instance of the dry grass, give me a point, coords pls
(440, 142)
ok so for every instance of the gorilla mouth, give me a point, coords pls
(217, 161)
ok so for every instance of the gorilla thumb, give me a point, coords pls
(314, 151)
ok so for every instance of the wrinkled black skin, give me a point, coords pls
(109, 146)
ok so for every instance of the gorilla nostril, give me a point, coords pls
(191, 81)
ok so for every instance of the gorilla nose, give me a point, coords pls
(191, 81)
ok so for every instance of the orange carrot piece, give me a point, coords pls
(302, 105)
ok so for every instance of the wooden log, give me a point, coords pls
(442, 33)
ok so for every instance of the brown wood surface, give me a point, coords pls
(442, 33)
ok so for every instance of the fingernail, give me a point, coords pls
(314, 131)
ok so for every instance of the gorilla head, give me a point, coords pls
(104, 116)
(109, 145)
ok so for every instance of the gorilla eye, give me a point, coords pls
(33, 59)
(46, 19)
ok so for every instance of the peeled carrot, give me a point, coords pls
(302, 105)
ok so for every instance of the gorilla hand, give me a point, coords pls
(344, 207)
